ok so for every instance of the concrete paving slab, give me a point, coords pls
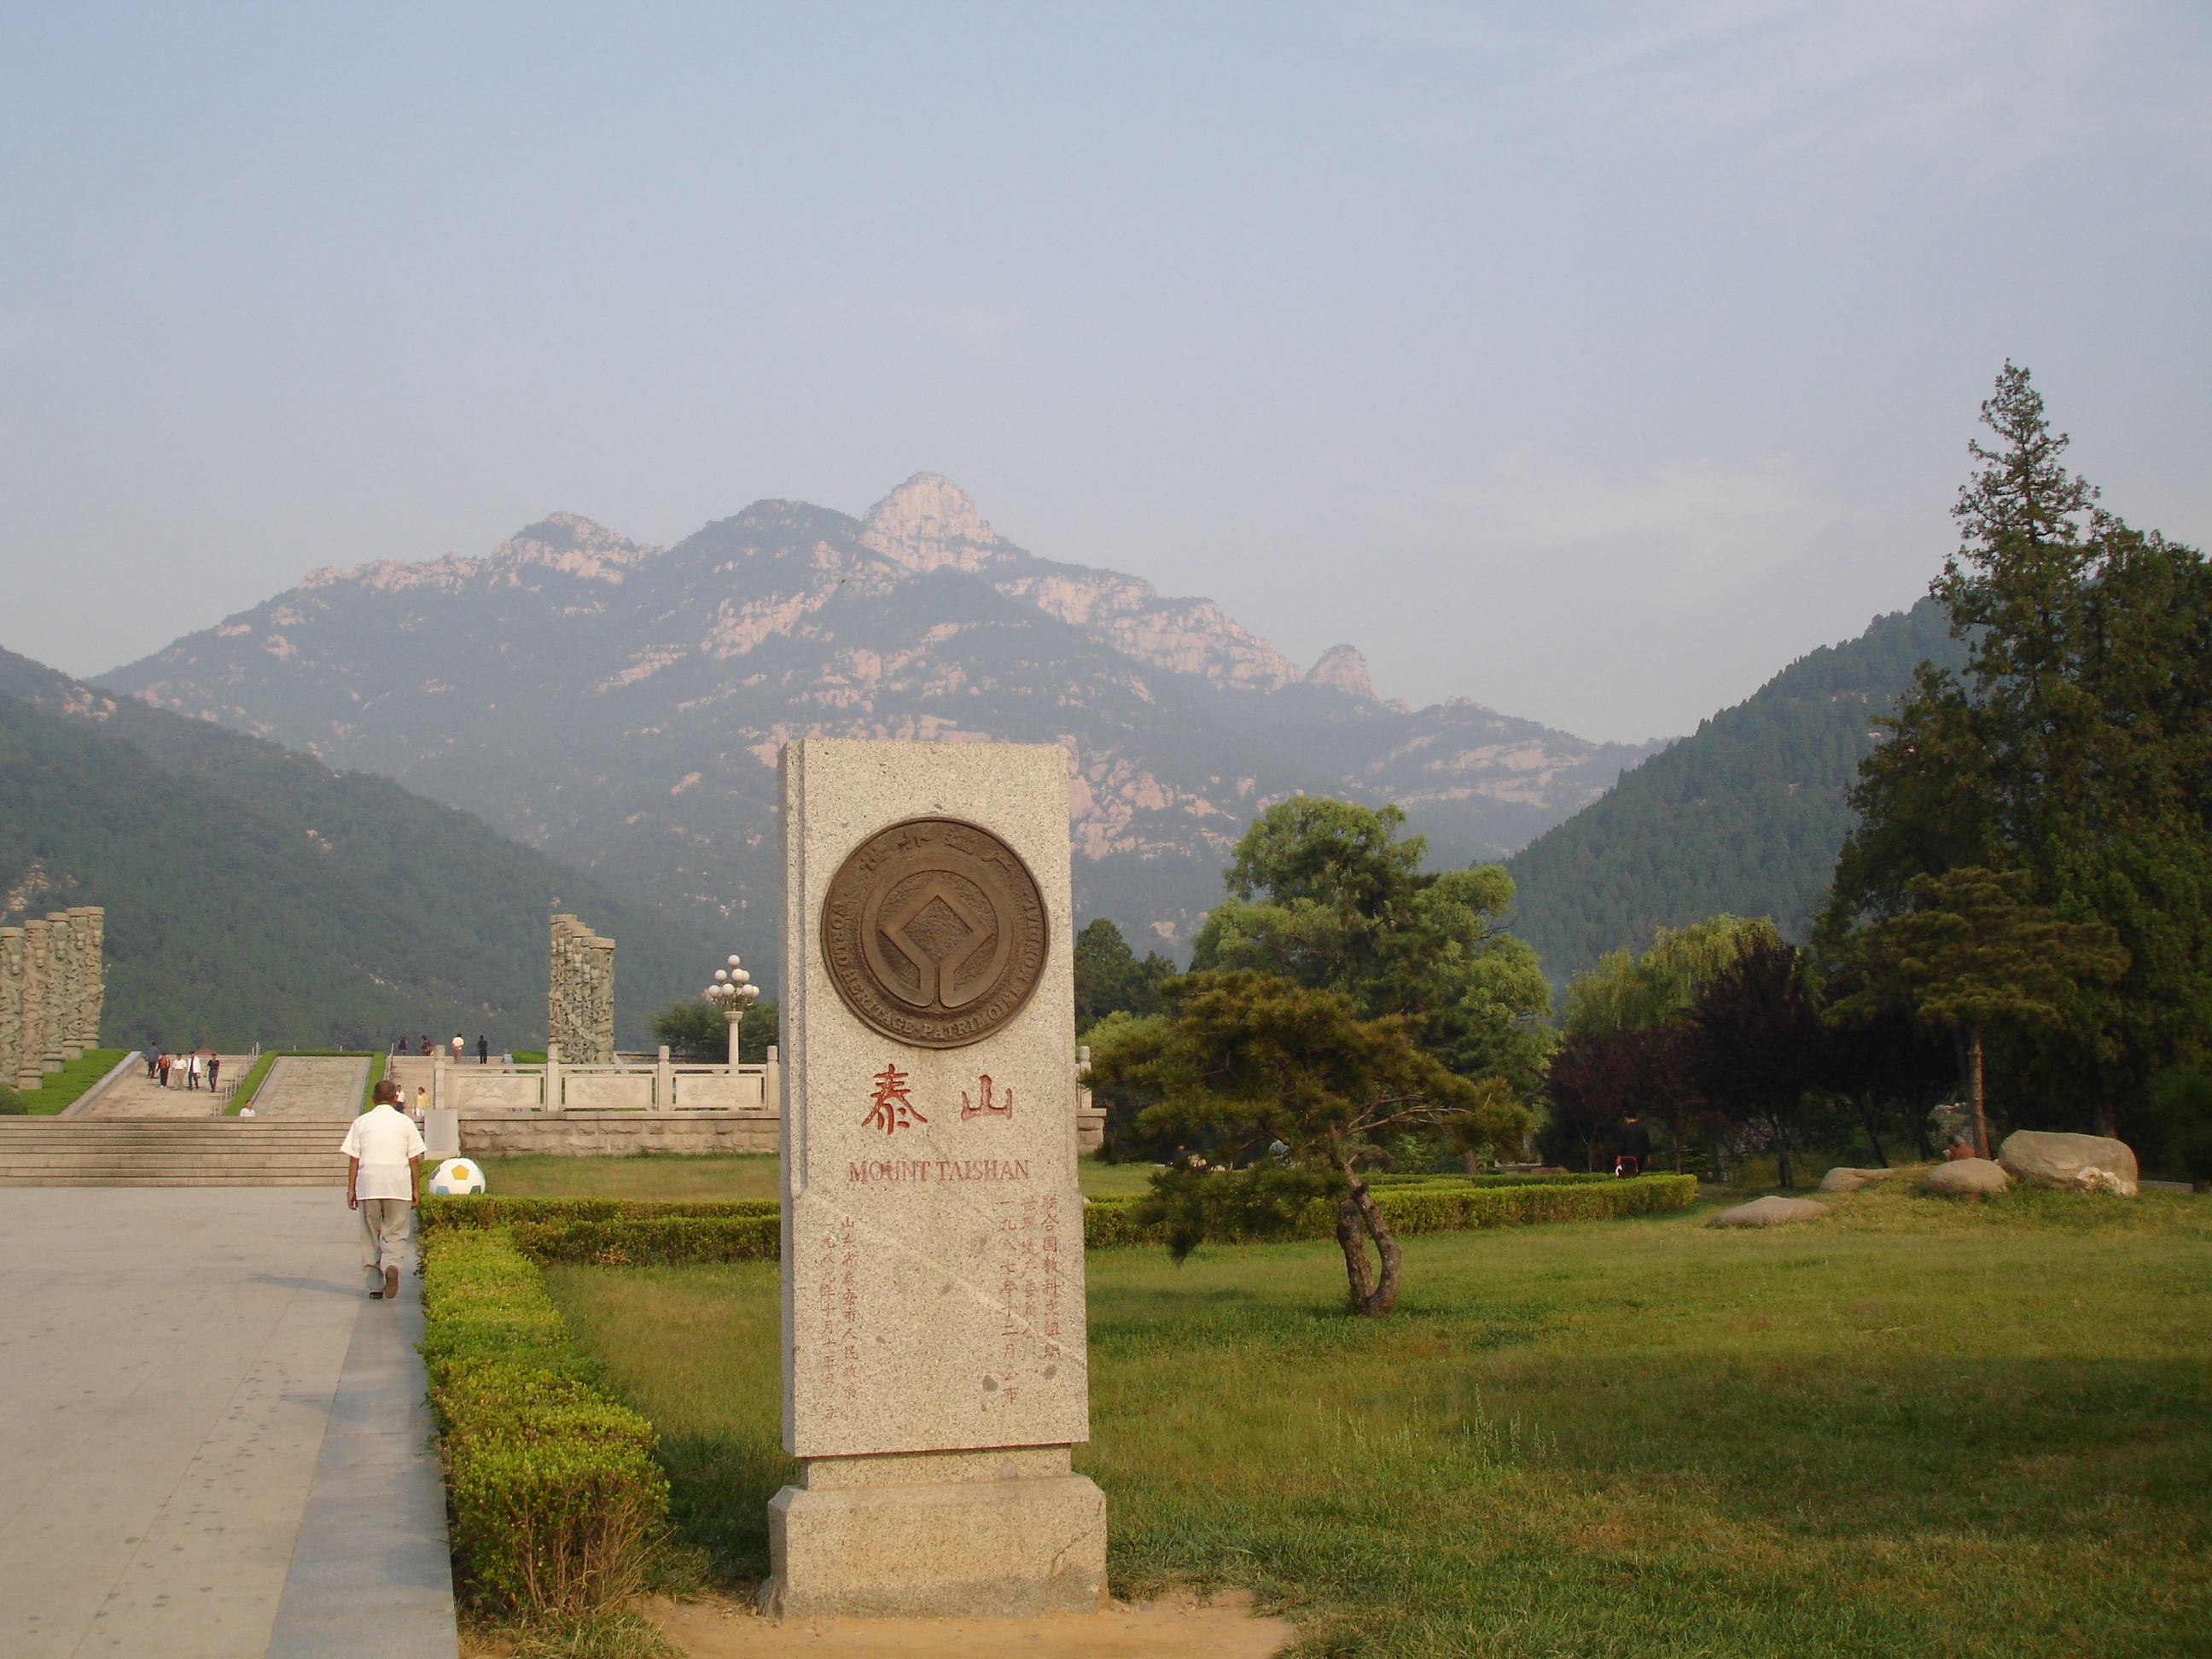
(173, 1358)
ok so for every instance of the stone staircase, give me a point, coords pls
(183, 1151)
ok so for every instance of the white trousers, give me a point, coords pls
(385, 1222)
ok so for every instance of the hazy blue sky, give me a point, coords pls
(1589, 361)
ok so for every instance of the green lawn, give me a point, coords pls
(1910, 1429)
(59, 1090)
(661, 1174)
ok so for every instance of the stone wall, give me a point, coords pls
(579, 995)
(53, 986)
(613, 1134)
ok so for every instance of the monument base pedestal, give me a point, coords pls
(1006, 1534)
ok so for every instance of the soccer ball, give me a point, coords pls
(456, 1176)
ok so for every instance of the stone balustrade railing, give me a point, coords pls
(558, 1086)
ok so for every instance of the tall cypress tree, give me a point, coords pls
(2075, 751)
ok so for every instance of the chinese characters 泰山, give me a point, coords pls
(890, 1108)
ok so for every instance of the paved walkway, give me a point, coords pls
(132, 1096)
(213, 1444)
(311, 1085)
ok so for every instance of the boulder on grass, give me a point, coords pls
(1769, 1213)
(1965, 1177)
(1841, 1180)
(2087, 1163)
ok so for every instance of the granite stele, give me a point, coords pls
(934, 1370)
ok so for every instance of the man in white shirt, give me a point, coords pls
(384, 1174)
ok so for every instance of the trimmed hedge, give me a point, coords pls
(1445, 1206)
(636, 1232)
(554, 1495)
(652, 1241)
(491, 1210)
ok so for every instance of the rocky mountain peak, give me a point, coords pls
(928, 522)
(1342, 668)
(571, 543)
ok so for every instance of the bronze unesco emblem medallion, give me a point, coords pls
(935, 932)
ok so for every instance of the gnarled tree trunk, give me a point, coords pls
(1359, 1219)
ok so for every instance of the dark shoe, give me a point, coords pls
(392, 1283)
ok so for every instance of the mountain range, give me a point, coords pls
(254, 895)
(1745, 815)
(619, 706)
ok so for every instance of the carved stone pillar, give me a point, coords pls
(31, 1067)
(91, 930)
(61, 986)
(11, 1004)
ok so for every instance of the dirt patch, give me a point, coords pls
(1170, 1628)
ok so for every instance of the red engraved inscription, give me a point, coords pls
(984, 1107)
(891, 1110)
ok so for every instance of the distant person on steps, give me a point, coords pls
(459, 1044)
(165, 1071)
(484, 1051)
(215, 1065)
(384, 1176)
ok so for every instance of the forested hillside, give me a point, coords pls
(254, 895)
(1745, 816)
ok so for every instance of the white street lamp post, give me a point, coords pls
(732, 992)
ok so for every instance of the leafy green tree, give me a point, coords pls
(2075, 749)
(1755, 1044)
(697, 1031)
(1324, 894)
(1625, 1021)
(1255, 1060)
(1626, 994)
(1976, 954)
(1591, 1081)
(2183, 1100)
(1110, 979)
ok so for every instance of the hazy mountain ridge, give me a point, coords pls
(1745, 815)
(621, 705)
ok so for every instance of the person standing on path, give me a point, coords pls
(484, 1051)
(192, 1070)
(384, 1176)
(459, 1044)
(1634, 1156)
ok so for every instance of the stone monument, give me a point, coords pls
(53, 991)
(580, 996)
(935, 1367)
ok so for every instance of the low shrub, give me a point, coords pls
(655, 1241)
(487, 1210)
(556, 1501)
(644, 1232)
(1443, 1206)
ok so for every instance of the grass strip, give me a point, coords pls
(556, 1501)
(57, 1091)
